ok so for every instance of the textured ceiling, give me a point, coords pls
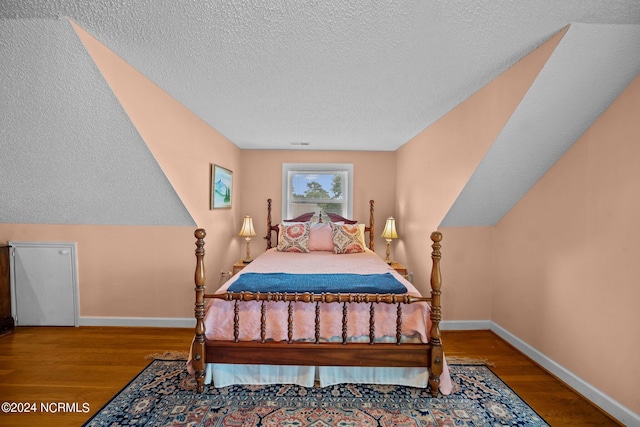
(362, 75)
(68, 152)
(370, 75)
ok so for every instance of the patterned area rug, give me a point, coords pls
(163, 395)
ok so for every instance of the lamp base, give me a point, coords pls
(247, 261)
(388, 259)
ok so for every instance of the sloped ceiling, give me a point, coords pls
(68, 152)
(369, 75)
(590, 67)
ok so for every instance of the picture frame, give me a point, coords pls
(221, 187)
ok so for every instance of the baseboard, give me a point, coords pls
(465, 325)
(152, 322)
(620, 412)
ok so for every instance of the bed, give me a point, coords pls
(325, 310)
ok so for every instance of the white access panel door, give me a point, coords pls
(44, 284)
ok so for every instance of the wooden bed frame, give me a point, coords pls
(319, 353)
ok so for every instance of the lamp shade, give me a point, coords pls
(389, 231)
(247, 229)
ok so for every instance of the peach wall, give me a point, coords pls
(466, 273)
(161, 121)
(567, 256)
(148, 271)
(124, 271)
(433, 168)
(184, 147)
(374, 178)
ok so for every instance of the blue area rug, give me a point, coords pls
(163, 395)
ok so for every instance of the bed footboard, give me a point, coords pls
(319, 352)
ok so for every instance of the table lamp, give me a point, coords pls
(247, 231)
(389, 233)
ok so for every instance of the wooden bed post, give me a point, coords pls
(371, 231)
(198, 347)
(436, 315)
(268, 236)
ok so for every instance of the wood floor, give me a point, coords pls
(83, 368)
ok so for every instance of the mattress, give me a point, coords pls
(219, 322)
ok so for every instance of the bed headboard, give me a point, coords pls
(369, 229)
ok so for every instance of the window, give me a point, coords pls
(317, 187)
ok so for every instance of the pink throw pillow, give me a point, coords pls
(320, 238)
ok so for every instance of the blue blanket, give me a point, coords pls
(318, 283)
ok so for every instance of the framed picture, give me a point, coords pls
(221, 187)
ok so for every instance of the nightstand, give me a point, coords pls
(6, 320)
(239, 265)
(400, 269)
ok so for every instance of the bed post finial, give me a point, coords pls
(200, 277)
(200, 234)
(436, 315)
(197, 349)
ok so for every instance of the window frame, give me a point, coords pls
(288, 169)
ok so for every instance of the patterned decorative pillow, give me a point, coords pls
(294, 237)
(347, 238)
(287, 223)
